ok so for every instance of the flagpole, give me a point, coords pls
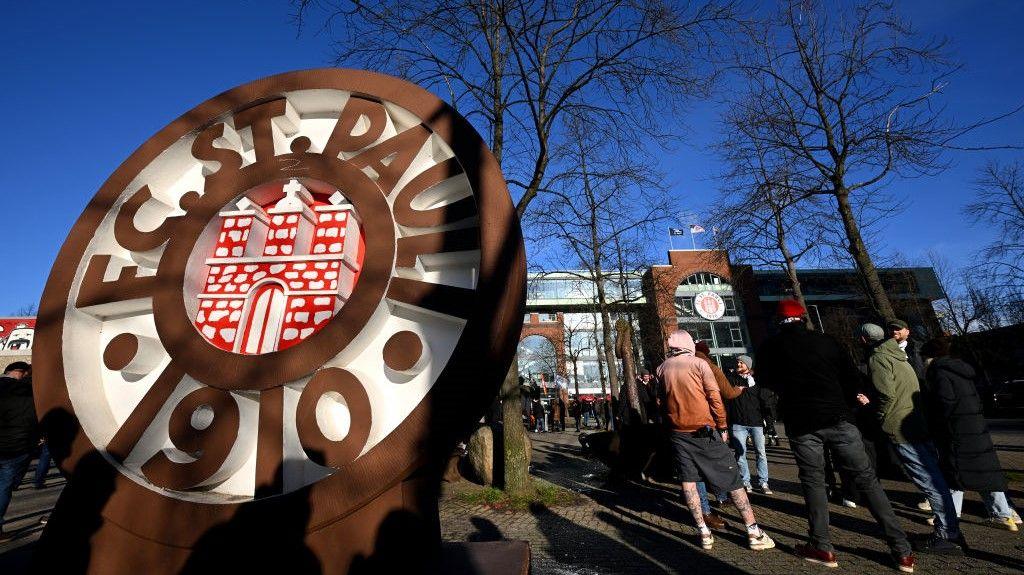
(670, 245)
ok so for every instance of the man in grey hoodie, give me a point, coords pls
(901, 413)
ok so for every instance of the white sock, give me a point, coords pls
(753, 530)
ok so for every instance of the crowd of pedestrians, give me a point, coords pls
(916, 399)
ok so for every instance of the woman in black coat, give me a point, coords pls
(961, 435)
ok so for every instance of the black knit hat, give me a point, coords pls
(18, 365)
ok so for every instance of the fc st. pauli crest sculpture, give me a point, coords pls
(271, 323)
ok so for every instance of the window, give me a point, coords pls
(722, 336)
(684, 306)
(705, 279)
(700, 330)
(737, 335)
(730, 305)
(715, 333)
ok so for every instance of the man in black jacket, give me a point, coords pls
(746, 419)
(817, 383)
(19, 432)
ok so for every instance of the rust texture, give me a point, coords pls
(107, 522)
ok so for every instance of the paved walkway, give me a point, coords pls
(645, 529)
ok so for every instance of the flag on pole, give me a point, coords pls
(675, 232)
(695, 229)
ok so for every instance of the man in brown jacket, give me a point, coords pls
(728, 390)
(694, 411)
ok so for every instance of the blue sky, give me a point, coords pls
(86, 83)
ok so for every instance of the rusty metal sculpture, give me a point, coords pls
(266, 331)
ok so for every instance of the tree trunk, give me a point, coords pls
(600, 368)
(576, 383)
(787, 256)
(576, 377)
(873, 284)
(624, 349)
(794, 282)
(516, 460)
(608, 341)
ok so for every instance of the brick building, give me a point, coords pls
(730, 307)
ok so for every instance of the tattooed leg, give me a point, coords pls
(739, 497)
(693, 504)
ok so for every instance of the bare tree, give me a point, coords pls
(999, 204)
(575, 329)
(846, 96)
(963, 307)
(1011, 306)
(536, 64)
(27, 310)
(764, 213)
(533, 65)
(537, 355)
(605, 200)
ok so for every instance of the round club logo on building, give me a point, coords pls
(262, 297)
(709, 305)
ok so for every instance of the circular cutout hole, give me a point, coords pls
(120, 351)
(403, 351)
(333, 416)
(202, 417)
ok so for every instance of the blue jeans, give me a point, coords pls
(739, 442)
(996, 503)
(921, 463)
(12, 469)
(43, 467)
(702, 490)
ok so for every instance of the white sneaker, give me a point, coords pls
(924, 505)
(1006, 523)
(707, 540)
(761, 542)
(850, 504)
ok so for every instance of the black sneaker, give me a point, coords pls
(936, 545)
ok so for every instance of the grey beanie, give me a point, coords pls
(872, 332)
(746, 360)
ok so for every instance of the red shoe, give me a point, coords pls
(826, 558)
(906, 563)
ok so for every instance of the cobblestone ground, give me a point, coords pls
(646, 528)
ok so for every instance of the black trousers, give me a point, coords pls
(847, 447)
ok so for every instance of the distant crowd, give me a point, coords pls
(917, 401)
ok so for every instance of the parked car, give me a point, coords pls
(1008, 395)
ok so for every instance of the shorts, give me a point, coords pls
(706, 459)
